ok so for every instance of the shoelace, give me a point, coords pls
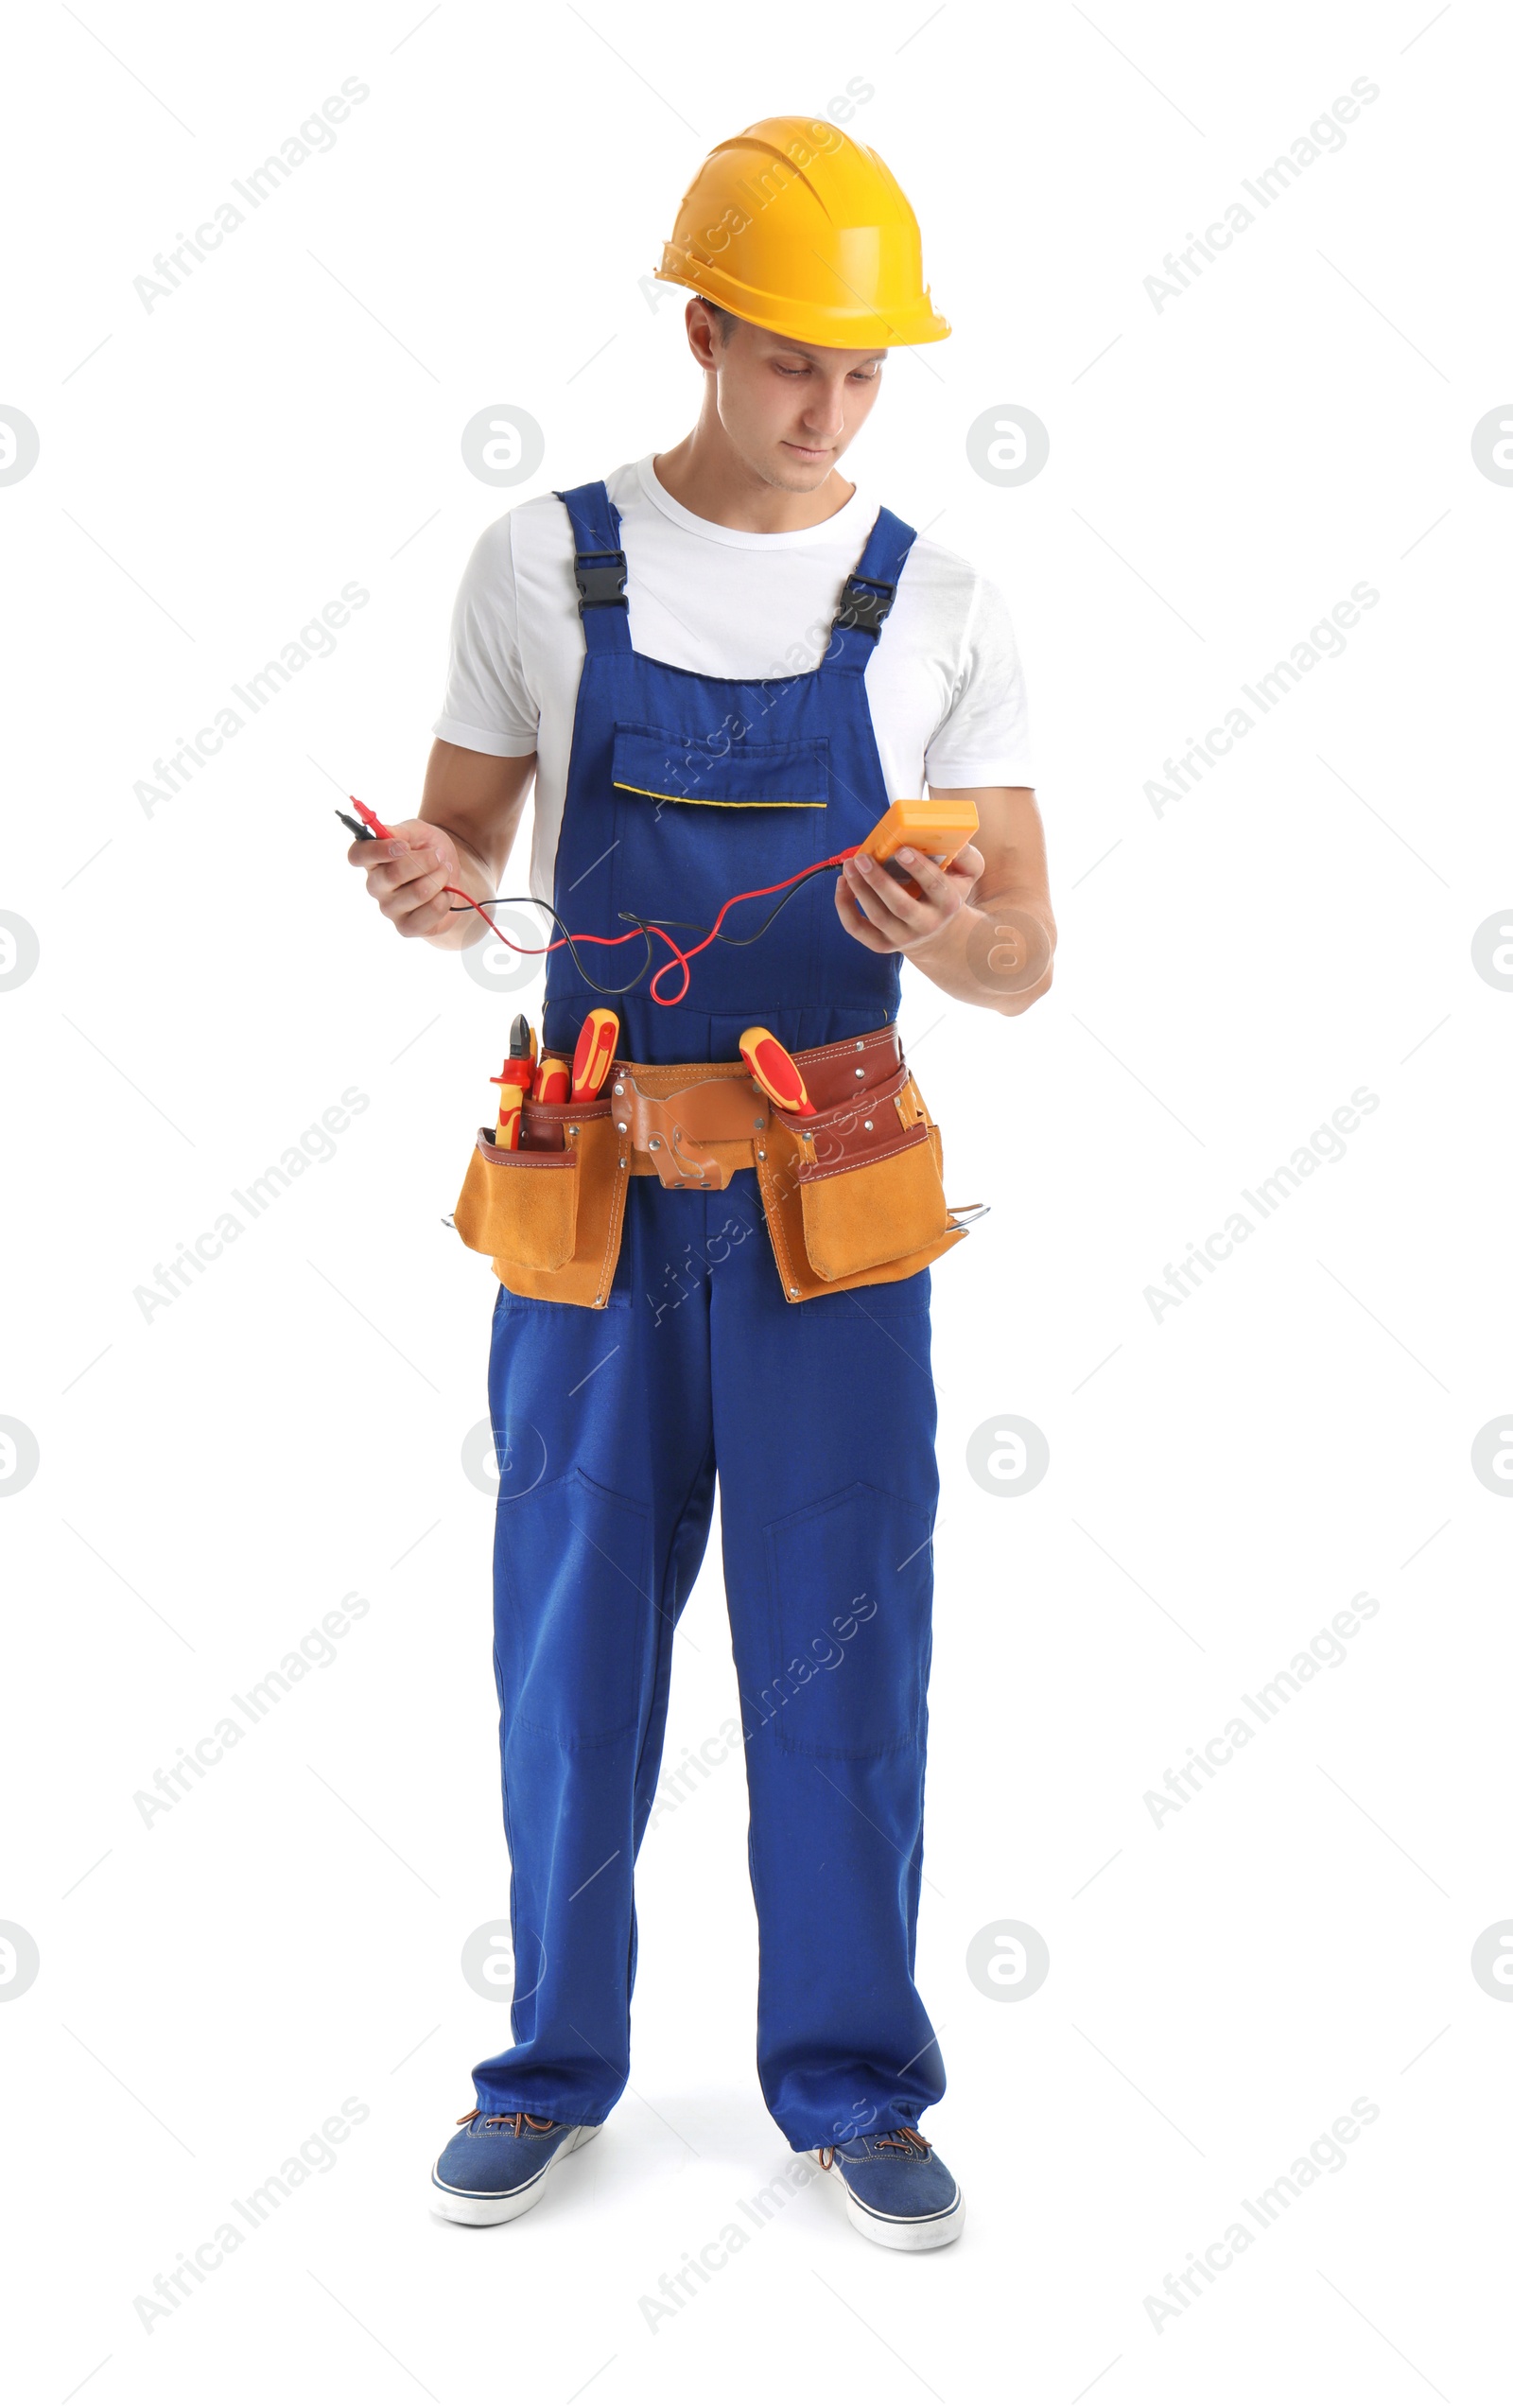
(520, 2120)
(906, 2138)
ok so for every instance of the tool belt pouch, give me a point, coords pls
(858, 1192)
(548, 1214)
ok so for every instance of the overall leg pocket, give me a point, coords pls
(849, 1581)
(575, 1612)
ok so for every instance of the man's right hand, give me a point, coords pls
(407, 872)
(472, 807)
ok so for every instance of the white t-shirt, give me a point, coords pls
(943, 684)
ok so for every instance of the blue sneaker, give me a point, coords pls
(496, 2166)
(897, 2191)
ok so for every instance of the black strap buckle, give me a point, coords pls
(601, 578)
(866, 604)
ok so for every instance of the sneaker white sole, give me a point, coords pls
(901, 2232)
(501, 2208)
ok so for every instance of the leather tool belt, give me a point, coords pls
(852, 1194)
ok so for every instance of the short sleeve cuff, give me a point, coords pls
(978, 772)
(502, 744)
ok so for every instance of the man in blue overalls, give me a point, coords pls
(720, 667)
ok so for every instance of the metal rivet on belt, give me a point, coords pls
(623, 1127)
(622, 1161)
(792, 1291)
(866, 1124)
(859, 1073)
(761, 1153)
(759, 1122)
(572, 1132)
(656, 1146)
(619, 1088)
(860, 1042)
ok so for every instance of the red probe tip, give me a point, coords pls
(370, 818)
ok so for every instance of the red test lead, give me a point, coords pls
(900, 823)
(370, 818)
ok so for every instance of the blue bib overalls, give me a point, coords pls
(819, 1418)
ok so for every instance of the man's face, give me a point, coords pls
(790, 409)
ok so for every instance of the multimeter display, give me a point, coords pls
(937, 830)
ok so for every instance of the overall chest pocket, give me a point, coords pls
(700, 817)
(720, 768)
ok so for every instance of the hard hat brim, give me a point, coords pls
(827, 327)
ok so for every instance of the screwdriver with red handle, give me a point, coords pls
(776, 1072)
(593, 1053)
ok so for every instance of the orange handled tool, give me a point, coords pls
(593, 1054)
(513, 1082)
(776, 1072)
(554, 1080)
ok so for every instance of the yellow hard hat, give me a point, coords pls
(797, 228)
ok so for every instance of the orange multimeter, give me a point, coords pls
(938, 829)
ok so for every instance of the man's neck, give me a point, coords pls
(708, 478)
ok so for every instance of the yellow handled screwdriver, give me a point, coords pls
(776, 1072)
(593, 1053)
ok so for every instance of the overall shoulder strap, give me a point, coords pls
(867, 598)
(599, 567)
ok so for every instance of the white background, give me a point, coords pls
(1222, 1481)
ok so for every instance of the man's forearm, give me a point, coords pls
(994, 953)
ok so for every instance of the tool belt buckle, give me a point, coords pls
(680, 1161)
(658, 1127)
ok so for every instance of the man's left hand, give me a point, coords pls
(886, 919)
